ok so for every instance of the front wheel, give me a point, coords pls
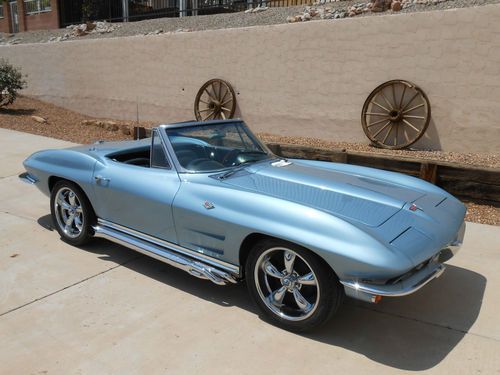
(72, 213)
(291, 285)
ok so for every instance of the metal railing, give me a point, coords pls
(37, 6)
(77, 11)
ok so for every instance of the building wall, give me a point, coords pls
(306, 79)
(43, 21)
(28, 22)
(5, 21)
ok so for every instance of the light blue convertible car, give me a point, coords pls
(211, 199)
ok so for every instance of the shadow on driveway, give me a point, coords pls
(413, 333)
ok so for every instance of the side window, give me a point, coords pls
(158, 157)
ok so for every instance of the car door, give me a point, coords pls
(138, 197)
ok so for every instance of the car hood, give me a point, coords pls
(366, 200)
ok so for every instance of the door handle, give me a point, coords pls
(101, 179)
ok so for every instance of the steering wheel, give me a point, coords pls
(231, 157)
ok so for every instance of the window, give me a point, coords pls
(1, 9)
(158, 157)
(215, 147)
(37, 6)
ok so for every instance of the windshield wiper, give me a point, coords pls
(236, 168)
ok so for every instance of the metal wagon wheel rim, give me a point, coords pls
(215, 101)
(396, 114)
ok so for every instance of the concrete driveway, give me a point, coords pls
(104, 309)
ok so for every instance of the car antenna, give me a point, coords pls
(137, 128)
(137, 110)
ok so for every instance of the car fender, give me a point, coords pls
(216, 218)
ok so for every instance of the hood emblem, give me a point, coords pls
(414, 207)
(208, 205)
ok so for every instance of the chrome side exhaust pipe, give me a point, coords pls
(193, 267)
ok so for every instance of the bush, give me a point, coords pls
(11, 80)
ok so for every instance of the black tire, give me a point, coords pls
(328, 296)
(86, 218)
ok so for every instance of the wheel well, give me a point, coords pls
(247, 245)
(53, 180)
(253, 238)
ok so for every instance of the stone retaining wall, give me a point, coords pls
(305, 79)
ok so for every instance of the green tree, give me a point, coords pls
(11, 81)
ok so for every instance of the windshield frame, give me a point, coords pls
(164, 129)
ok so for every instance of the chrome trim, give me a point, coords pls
(403, 288)
(28, 178)
(227, 267)
(456, 244)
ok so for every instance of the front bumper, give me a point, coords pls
(432, 270)
(28, 178)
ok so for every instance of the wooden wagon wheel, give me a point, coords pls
(215, 100)
(396, 114)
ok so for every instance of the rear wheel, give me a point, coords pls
(291, 285)
(72, 213)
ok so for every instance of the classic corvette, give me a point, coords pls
(211, 199)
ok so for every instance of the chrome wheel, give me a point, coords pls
(68, 212)
(287, 284)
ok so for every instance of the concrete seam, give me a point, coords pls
(69, 286)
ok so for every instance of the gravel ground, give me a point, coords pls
(491, 160)
(67, 125)
(227, 20)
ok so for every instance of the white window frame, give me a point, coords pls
(40, 7)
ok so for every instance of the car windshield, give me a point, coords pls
(216, 147)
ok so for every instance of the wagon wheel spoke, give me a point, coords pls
(387, 100)
(209, 115)
(406, 136)
(382, 128)
(377, 114)
(381, 106)
(410, 125)
(415, 117)
(389, 132)
(402, 97)
(413, 108)
(396, 135)
(376, 122)
(209, 95)
(227, 101)
(410, 101)
(394, 95)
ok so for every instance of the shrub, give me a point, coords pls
(11, 80)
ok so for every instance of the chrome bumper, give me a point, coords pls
(28, 178)
(370, 292)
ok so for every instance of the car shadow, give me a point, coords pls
(413, 333)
